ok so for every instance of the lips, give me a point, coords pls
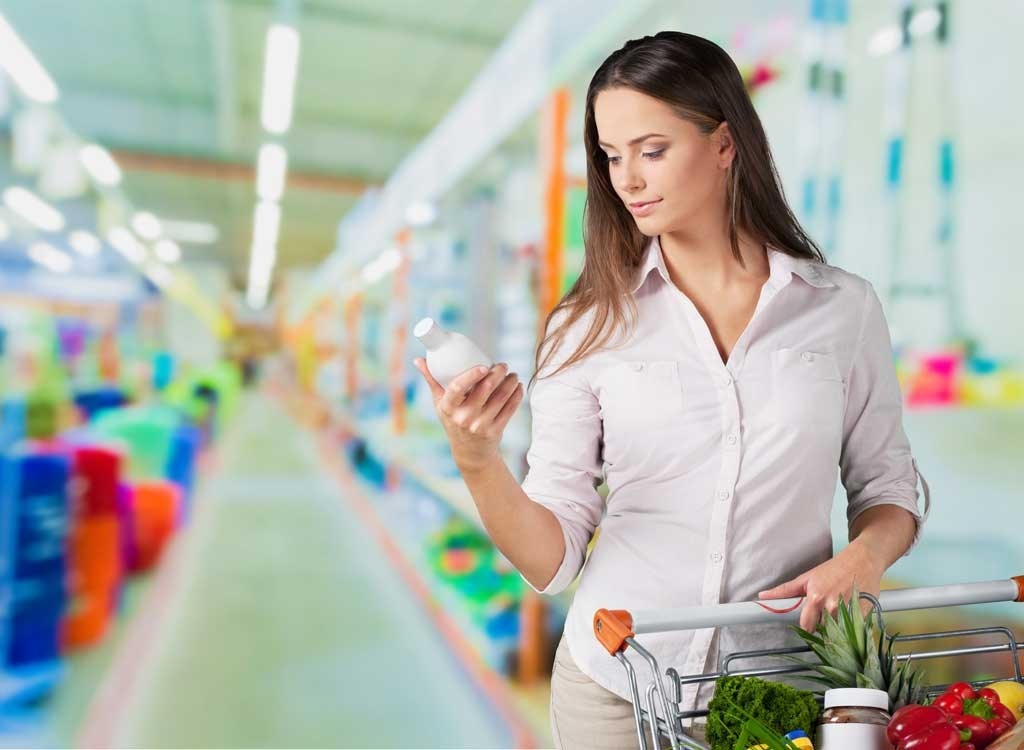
(643, 208)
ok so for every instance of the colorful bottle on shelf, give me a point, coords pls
(448, 353)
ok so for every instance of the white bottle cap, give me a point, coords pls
(860, 697)
(429, 333)
(423, 327)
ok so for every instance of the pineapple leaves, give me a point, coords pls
(852, 652)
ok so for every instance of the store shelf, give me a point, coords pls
(384, 444)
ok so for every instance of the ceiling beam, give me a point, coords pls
(142, 161)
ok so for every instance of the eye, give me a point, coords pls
(654, 154)
(612, 159)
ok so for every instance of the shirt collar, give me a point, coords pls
(781, 265)
(653, 259)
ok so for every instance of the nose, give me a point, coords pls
(630, 180)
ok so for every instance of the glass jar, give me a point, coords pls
(854, 719)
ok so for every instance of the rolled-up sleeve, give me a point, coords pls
(565, 464)
(876, 463)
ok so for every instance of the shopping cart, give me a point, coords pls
(658, 711)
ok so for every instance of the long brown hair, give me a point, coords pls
(699, 80)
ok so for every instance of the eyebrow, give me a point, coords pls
(636, 140)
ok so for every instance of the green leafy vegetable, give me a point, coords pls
(772, 706)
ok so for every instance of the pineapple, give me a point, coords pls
(853, 654)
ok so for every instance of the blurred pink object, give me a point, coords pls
(935, 383)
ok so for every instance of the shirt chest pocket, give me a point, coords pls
(641, 395)
(807, 389)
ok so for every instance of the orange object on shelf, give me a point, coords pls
(155, 518)
(88, 617)
(94, 552)
(94, 574)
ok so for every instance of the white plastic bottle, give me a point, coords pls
(448, 353)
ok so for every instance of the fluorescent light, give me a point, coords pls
(266, 224)
(377, 269)
(256, 296)
(925, 21)
(50, 257)
(263, 257)
(260, 271)
(421, 214)
(160, 275)
(280, 66)
(33, 209)
(23, 67)
(5, 231)
(193, 232)
(100, 165)
(167, 251)
(885, 41)
(125, 243)
(270, 171)
(146, 225)
(85, 243)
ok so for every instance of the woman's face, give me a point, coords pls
(659, 159)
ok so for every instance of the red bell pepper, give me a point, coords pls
(1002, 712)
(939, 737)
(990, 696)
(923, 728)
(962, 690)
(999, 727)
(981, 733)
(951, 703)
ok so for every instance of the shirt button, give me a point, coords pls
(726, 381)
(731, 438)
(807, 357)
(637, 366)
(723, 494)
(716, 557)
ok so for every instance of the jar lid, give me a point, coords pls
(859, 697)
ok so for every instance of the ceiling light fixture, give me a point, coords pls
(271, 168)
(33, 209)
(167, 251)
(125, 243)
(50, 257)
(192, 232)
(146, 225)
(100, 165)
(26, 71)
(85, 243)
(280, 67)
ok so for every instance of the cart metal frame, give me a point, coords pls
(658, 712)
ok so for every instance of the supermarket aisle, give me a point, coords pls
(289, 628)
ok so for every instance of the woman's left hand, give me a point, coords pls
(823, 585)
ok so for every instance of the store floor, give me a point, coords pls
(287, 627)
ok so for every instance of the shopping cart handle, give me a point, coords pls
(613, 627)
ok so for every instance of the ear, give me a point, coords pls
(724, 144)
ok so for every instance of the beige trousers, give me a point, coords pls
(585, 716)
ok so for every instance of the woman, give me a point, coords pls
(713, 370)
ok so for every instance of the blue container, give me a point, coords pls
(97, 400)
(34, 637)
(12, 422)
(163, 370)
(181, 464)
(34, 514)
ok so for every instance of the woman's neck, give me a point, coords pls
(707, 260)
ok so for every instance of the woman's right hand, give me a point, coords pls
(474, 410)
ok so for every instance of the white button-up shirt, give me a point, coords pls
(720, 475)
